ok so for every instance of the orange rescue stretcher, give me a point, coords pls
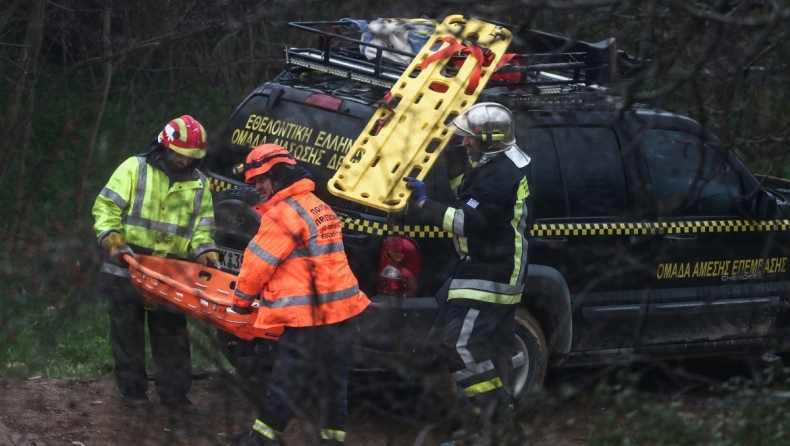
(200, 292)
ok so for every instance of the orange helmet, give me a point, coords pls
(262, 158)
(184, 135)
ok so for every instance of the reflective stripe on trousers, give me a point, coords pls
(333, 435)
(265, 430)
(472, 368)
(478, 345)
(486, 291)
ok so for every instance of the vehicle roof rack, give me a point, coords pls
(604, 62)
(334, 55)
(547, 62)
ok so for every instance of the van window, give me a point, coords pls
(546, 187)
(689, 177)
(592, 166)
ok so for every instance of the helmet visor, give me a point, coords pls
(460, 125)
(261, 159)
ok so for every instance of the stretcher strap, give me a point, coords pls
(176, 284)
(454, 47)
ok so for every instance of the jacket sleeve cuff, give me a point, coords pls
(105, 234)
(433, 212)
(242, 299)
(205, 248)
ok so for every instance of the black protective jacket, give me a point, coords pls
(488, 222)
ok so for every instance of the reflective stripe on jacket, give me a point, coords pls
(489, 224)
(297, 264)
(163, 219)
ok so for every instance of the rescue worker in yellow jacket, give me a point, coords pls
(159, 204)
(296, 268)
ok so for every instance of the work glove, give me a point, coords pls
(418, 189)
(240, 310)
(116, 248)
(209, 259)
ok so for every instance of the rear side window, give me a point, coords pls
(318, 139)
(689, 177)
(546, 188)
(593, 169)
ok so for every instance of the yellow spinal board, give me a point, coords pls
(406, 139)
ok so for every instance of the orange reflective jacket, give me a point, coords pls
(297, 264)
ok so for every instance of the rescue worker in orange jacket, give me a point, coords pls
(297, 268)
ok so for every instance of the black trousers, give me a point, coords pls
(167, 330)
(309, 381)
(478, 345)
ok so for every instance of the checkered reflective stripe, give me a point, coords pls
(380, 228)
(645, 228)
(561, 229)
(218, 185)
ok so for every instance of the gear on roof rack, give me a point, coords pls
(539, 58)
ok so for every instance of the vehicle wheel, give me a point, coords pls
(530, 360)
(252, 359)
(245, 194)
(237, 222)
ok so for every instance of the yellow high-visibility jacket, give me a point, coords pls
(154, 216)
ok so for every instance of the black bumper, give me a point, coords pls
(395, 333)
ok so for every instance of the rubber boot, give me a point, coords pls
(504, 430)
(253, 439)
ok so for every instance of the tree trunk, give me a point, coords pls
(12, 104)
(138, 101)
(8, 13)
(251, 71)
(17, 126)
(65, 61)
(82, 177)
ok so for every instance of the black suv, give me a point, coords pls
(649, 238)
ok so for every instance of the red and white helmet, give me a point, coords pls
(261, 159)
(184, 135)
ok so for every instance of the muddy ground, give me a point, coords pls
(87, 412)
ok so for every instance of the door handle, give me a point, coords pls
(356, 239)
(549, 241)
(674, 238)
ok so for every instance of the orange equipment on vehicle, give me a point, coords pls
(200, 292)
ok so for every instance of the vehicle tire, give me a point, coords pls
(244, 194)
(237, 222)
(530, 360)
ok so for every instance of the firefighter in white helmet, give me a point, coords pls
(488, 222)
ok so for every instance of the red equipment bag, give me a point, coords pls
(200, 292)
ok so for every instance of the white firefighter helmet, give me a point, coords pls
(488, 122)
